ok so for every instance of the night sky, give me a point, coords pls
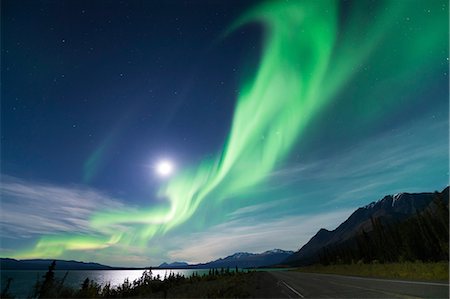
(278, 119)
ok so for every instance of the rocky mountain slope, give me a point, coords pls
(388, 210)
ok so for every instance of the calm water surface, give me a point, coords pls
(24, 280)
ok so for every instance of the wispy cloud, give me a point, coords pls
(259, 208)
(377, 165)
(288, 233)
(32, 208)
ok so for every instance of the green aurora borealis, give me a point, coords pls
(313, 54)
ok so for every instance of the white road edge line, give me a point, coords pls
(387, 280)
(415, 282)
(293, 290)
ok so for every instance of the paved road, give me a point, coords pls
(310, 285)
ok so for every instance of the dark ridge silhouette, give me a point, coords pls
(42, 264)
(402, 227)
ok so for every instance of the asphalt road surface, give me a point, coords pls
(310, 285)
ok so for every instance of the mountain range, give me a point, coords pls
(42, 264)
(239, 259)
(391, 209)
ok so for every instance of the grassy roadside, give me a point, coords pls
(407, 270)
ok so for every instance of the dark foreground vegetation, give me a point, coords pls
(423, 237)
(218, 283)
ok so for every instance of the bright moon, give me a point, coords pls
(164, 168)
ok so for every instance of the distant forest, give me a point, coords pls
(422, 237)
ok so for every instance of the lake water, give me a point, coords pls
(24, 280)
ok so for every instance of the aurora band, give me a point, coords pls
(311, 51)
